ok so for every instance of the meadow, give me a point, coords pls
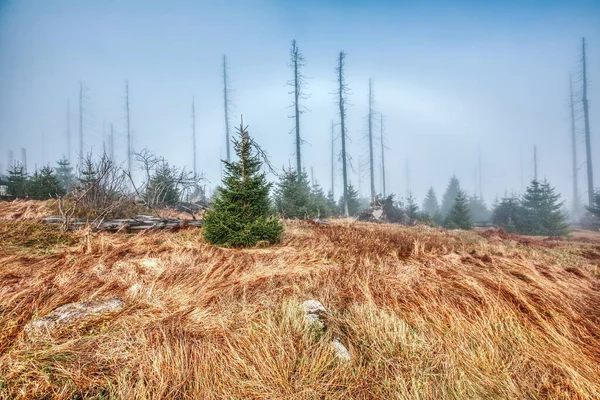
(425, 313)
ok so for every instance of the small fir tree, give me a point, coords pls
(293, 197)
(594, 209)
(506, 213)
(240, 213)
(430, 204)
(450, 196)
(64, 174)
(412, 210)
(320, 201)
(541, 211)
(44, 185)
(333, 207)
(459, 217)
(478, 210)
(17, 180)
(353, 202)
(162, 189)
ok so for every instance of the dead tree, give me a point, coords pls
(480, 173)
(112, 143)
(371, 162)
(80, 124)
(128, 121)
(194, 132)
(342, 94)
(382, 157)
(586, 120)
(332, 160)
(535, 165)
(24, 158)
(297, 62)
(573, 148)
(226, 107)
(68, 131)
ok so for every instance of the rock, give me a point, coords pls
(314, 320)
(341, 352)
(75, 312)
(313, 307)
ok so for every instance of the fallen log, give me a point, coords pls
(139, 223)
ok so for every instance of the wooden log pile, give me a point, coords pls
(139, 223)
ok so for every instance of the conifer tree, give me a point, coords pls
(478, 210)
(162, 188)
(44, 184)
(17, 180)
(458, 217)
(506, 213)
(450, 195)
(64, 174)
(412, 210)
(320, 201)
(293, 196)
(353, 202)
(333, 207)
(240, 213)
(541, 211)
(430, 204)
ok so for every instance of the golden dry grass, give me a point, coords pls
(426, 314)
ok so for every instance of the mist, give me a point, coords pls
(448, 78)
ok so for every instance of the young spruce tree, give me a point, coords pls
(459, 216)
(541, 212)
(240, 213)
(64, 174)
(450, 196)
(293, 197)
(353, 201)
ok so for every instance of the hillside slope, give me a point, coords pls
(424, 313)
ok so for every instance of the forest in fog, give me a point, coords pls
(420, 118)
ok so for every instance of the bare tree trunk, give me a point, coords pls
(480, 173)
(371, 163)
(332, 160)
(574, 149)
(342, 105)
(24, 158)
(104, 152)
(226, 106)
(588, 142)
(68, 131)
(535, 169)
(194, 132)
(407, 180)
(296, 59)
(129, 138)
(80, 123)
(382, 157)
(112, 143)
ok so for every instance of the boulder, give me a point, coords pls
(341, 352)
(313, 307)
(72, 312)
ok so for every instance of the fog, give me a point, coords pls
(449, 78)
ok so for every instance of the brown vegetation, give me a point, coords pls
(425, 313)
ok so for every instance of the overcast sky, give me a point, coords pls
(448, 77)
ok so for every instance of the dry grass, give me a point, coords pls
(27, 209)
(426, 314)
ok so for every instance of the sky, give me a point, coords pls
(452, 79)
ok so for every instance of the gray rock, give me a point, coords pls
(314, 320)
(74, 312)
(313, 307)
(341, 352)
